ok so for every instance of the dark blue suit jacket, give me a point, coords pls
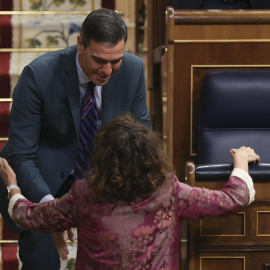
(196, 4)
(45, 120)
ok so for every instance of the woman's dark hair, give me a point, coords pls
(104, 26)
(128, 161)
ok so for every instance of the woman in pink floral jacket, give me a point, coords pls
(128, 211)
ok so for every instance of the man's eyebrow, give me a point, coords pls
(105, 60)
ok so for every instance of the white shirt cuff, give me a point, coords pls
(46, 198)
(237, 172)
(12, 201)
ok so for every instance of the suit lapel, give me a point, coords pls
(73, 92)
(107, 101)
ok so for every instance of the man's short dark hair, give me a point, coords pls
(104, 26)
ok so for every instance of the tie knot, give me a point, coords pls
(90, 88)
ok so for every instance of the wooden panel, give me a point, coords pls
(237, 260)
(199, 42)
(241, 33)
(263, 223)
(220, 17)
(222, 263)
(231, 226)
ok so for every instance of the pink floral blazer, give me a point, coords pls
(140, 234)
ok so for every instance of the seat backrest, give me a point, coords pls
(234, 112)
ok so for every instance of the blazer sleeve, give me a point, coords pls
(25, 129)
(55, 215)
(194, 203)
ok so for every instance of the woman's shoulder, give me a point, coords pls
(167, 186)
(81, 187)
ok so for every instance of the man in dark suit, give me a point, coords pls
(220, 4)
(45, 118)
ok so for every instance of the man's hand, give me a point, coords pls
(60, 240)
(7, 173)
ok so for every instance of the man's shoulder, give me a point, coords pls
(131, 63)
(55, 56)
(132, 57)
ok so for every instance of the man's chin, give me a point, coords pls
(101, 82)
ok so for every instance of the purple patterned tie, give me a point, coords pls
(88, 131)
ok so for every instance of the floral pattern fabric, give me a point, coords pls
(140, 234)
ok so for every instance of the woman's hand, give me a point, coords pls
(7, 173)
(60, 240)
(242, 156)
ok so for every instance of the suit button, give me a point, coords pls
(62, 175)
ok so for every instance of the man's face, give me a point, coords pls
(99, 61)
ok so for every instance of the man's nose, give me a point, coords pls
(107, 69)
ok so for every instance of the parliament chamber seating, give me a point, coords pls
(199, 42)
(234, 111)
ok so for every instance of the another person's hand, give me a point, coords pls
(242, 156)
(7, 173)
(60, 240)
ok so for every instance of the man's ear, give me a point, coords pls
(79, 44)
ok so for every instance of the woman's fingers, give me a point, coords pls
(245, 151)
(61, 244)
(71, 235)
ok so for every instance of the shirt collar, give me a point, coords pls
(83, 78)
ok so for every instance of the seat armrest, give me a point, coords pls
(222, 172)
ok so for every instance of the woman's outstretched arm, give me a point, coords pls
(194, 202)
